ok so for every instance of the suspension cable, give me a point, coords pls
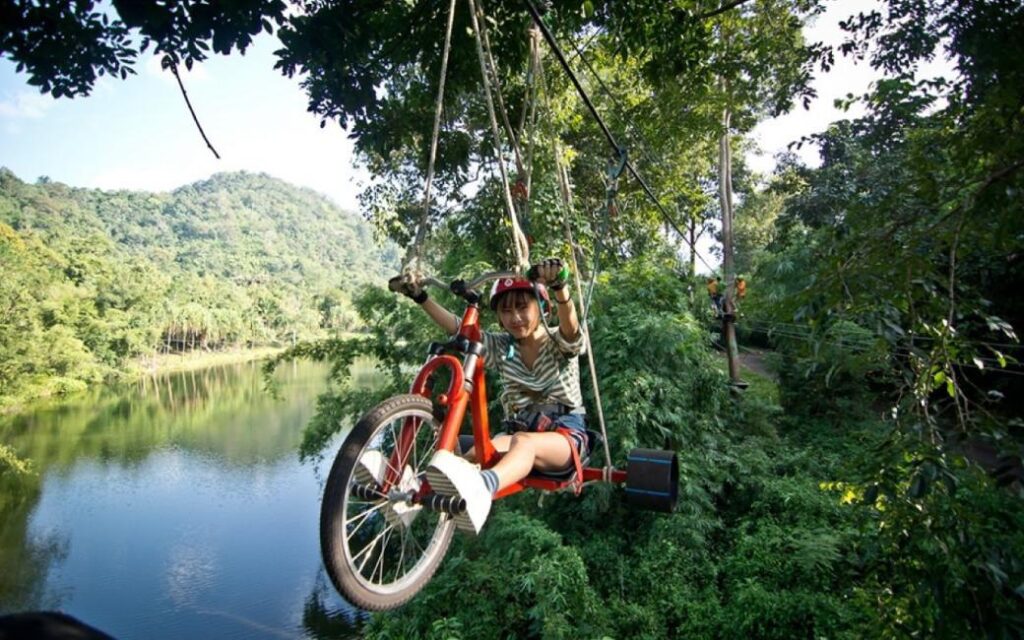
(486, 40)
(566, 190)
(413, 253)
(623, 112)
(531, 96)
(519, 243)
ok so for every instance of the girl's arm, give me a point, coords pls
(555, 276)
(443, 317)
(568, 322)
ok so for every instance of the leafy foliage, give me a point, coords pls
(65, 47)
(11, 463)
(95, 280)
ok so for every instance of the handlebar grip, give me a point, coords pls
(395, 284)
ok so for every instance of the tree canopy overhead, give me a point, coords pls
(373, 67)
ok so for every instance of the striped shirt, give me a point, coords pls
(554, 378)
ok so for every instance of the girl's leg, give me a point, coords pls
(501, 444)
(545, 451)
(451, 475)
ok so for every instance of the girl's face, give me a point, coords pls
(519, 314)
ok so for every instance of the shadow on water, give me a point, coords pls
(174, 507)
(323, 619)
(25, 559)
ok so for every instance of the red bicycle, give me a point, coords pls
(383, 531)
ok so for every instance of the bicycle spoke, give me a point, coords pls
(416, 542)
(390, 545)
(381, 556)
(394, 446)
(401, 557)
(372, 544)
(363, 518)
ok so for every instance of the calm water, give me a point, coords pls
(177, 508)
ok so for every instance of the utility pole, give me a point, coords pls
(728, 270)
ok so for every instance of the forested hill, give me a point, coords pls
(94, 279)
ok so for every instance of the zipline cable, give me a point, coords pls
(623, 112)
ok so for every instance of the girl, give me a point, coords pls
(540, 395)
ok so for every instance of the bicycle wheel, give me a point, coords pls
(380, 550)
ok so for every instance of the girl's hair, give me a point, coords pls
(513, 299)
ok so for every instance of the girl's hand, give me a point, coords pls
(552, 273)
(408, 288)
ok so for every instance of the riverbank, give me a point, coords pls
(163, 363)
(156, 365)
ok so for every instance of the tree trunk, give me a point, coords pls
(725, 195)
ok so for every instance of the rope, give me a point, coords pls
(550, 38)
(486, 41)
(531, 99)
(519, 243)
(413, 253)
(566, 191)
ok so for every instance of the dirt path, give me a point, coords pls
(753, 360)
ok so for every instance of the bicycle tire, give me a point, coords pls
(351, 527)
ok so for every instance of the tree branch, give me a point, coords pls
(888, 233)
(722, 9)
(174, 69)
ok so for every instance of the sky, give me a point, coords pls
(138, 134)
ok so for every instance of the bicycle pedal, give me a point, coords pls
(450, 475)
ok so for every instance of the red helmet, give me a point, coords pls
(505, 285)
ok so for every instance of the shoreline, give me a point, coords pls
(148, 367)
(162, 364)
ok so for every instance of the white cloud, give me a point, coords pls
(25, 104)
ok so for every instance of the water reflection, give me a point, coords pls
(173, 508)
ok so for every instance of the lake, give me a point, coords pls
(176, 507)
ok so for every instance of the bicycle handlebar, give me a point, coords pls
(459, 286)
(395, 284)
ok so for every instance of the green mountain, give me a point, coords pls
(94, 279)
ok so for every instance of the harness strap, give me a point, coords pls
(577, 481)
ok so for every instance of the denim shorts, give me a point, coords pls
(575, 423)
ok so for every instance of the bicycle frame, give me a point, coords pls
(461, 396)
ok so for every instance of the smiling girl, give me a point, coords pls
(541, 394)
